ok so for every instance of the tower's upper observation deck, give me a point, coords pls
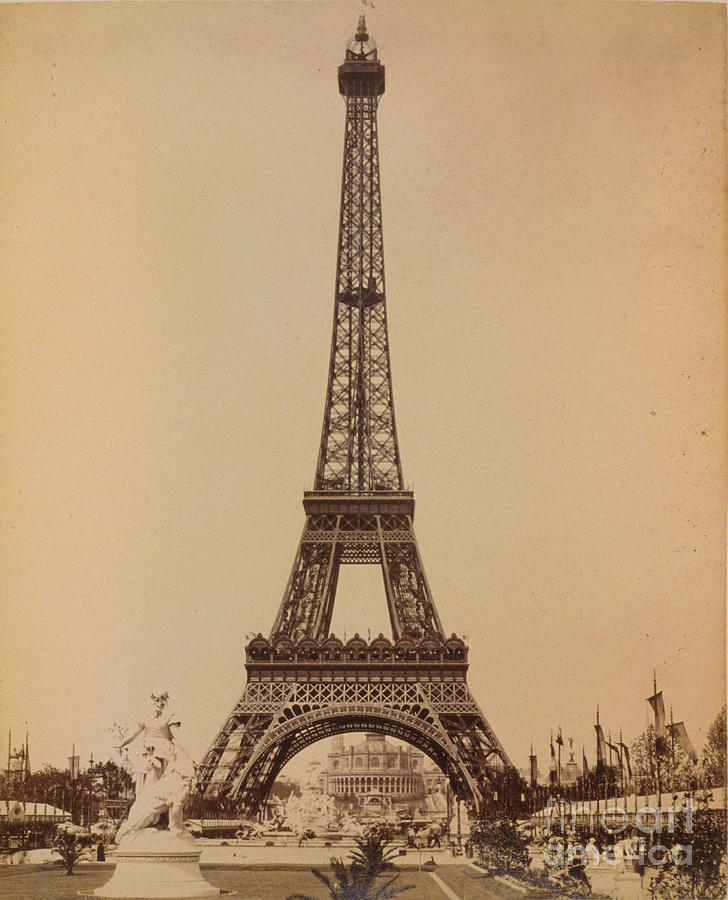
(361, 75)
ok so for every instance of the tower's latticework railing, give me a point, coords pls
(303, 684)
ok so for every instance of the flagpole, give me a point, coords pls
(672, 742)
(558, 765)
(599, 768)
(552, 762)
(657, 752)
(611, 760)
(649, 783)
(72, 786)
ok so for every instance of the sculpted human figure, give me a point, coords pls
(157, 856)
(164, 773)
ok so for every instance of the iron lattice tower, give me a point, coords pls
(303, 683)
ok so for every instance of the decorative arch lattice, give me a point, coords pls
(294, 734)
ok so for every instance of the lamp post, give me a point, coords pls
(457, 800)
(448, 804)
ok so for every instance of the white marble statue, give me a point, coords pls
(164, 773)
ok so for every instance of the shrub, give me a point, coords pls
(71, 845)
(361, 879)
(704, 875)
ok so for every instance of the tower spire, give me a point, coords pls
(359, 511)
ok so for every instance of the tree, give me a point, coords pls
(714, 752)
(677, 771)
(500, 847)
(361, 879)
(702, 874)
(46, 785)
(599, 782)
(110, 780)
(87, 793)
(503, 850)
(644, 769)
(70, 845)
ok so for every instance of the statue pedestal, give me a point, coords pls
(627, 886)
(601, 878)
(154, 863)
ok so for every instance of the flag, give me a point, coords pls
(534, 770)
(74, 766)
(601, 747)
(612, 749)
(625, 750)
(552, 764)
(658, 707)
(679, 733)
(559, 739)
(584, 764)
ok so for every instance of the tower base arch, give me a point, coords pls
(297, 695)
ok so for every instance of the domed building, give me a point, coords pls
(376, 779)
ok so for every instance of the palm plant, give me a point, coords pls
(70, 845)
(361, 879)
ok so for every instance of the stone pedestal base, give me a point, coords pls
(627, 886)
(601, 878)
(153, 864)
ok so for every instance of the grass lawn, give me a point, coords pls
(467, 883)
(50, 883)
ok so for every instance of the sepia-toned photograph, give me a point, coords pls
(234, 660)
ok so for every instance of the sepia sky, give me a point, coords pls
(553, 181)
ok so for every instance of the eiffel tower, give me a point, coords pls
(303, 683)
